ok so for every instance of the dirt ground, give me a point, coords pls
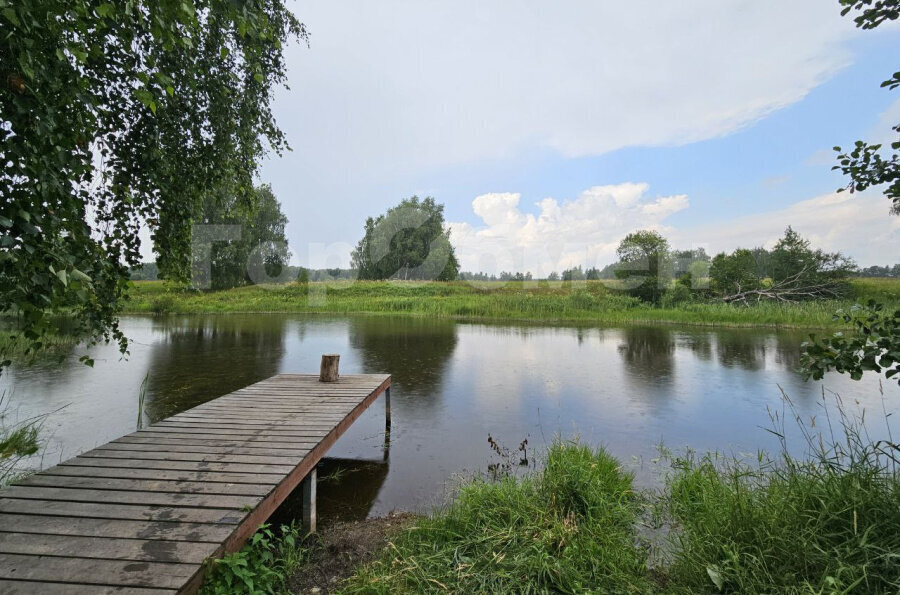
(340, 548)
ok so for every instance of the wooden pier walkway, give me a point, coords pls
(142, 513)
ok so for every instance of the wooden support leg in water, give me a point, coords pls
(309, 502)
(387, 411)
(387, 422)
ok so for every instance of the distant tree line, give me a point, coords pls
(649, 269)
(877, 271)
(791, 271)
(147, 271)
(305, 275)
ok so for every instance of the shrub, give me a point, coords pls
(675, 294)
(162, 304)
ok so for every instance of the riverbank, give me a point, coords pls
(828, 523)
(599, 302)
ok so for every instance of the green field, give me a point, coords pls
(588, 301)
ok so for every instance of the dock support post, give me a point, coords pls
(387, 422)
(387, 410)
(309, 502)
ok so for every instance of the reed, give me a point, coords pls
(828, 523)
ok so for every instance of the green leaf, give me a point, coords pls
(79, 54)
(715, 576)
(11, 16)
(79, 276)
(146, 97)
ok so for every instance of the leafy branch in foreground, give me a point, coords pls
(865, 163)
(118, 114)
(875, 346)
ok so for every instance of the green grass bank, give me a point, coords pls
(600, 302)
(829, 523)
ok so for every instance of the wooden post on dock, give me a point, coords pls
(309, 502)
(328, 372)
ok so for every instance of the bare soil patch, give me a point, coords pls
(339, 549)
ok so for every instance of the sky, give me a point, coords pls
(551, 130)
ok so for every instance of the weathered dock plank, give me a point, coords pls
(142, 513)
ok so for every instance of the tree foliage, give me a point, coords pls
(735, 272)
(868, 164)
(574, 274)
(875, 347)
(791, 271)
(118, 114)
(259, 254)
(644, 261)
(407, 242)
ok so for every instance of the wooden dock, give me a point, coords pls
(142, 513)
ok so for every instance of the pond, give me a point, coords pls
(454, 384)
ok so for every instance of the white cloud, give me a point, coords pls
(390, 87)
(858, 225)
(583, 231)
(586, 231)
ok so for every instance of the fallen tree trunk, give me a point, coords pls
(791, 289)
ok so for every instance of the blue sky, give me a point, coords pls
(711, 122)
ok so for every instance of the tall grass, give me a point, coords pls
(15, 347)
(568, 529)
(826, 523)
(592, 301)
(18, 441)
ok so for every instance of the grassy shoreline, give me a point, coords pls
(829, 523)
(592, 302)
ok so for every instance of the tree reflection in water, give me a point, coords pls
(648, 354)
(204, 357)
(416, 351)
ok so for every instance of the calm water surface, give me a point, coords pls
(454, 384)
